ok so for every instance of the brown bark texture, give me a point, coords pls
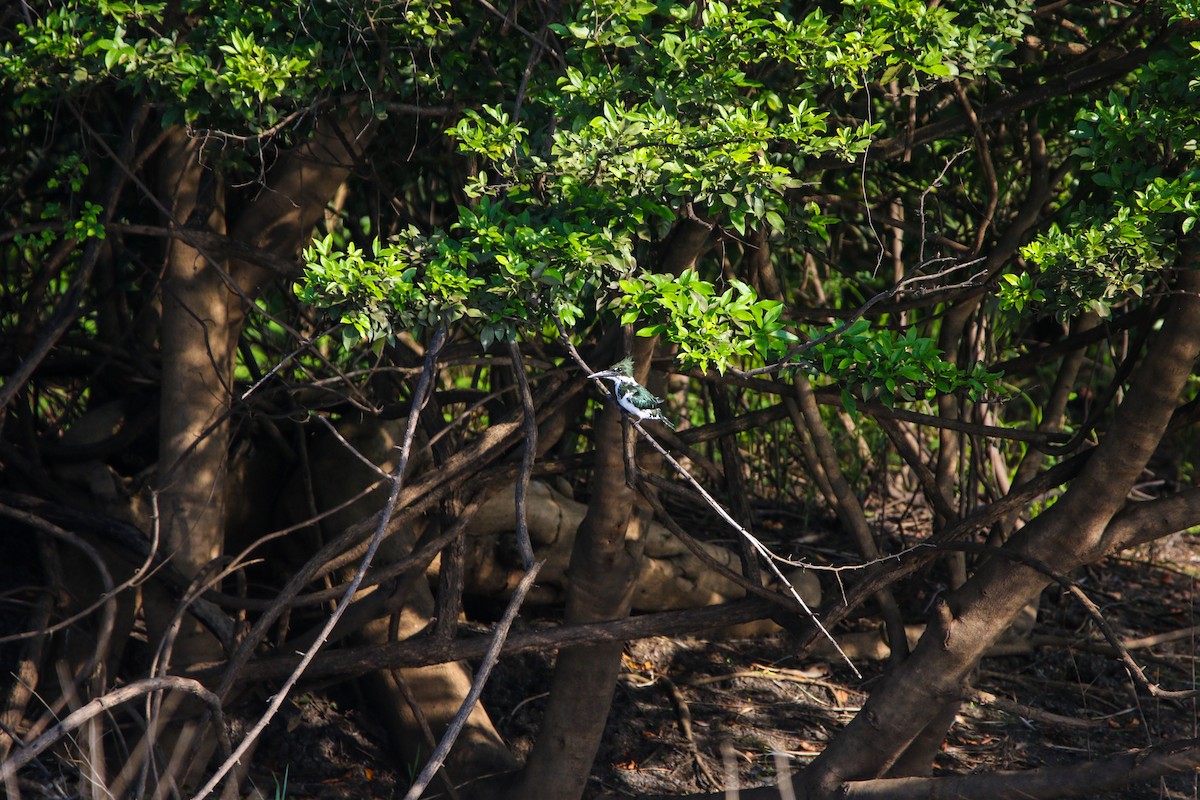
(1070, 533)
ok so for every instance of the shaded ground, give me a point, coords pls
(748, 700)
(1061, 698)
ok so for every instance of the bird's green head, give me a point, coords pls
(623, 368)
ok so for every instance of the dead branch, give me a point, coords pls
(8, 770)
(420, 652)
(1029, 712)
(490, 658)
(1089, 778)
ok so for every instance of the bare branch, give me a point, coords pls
(110, 700)
(420, 396)
(481, 676)
(1087, 779)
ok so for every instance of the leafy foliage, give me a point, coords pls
(658, 110)
(883, 365)
(227, 67)
(1138, 148)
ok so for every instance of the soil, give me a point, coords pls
(756, 709)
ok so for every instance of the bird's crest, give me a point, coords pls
(624, 367)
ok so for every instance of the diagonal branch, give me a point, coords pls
(481, 676)
(1087, 779)
(420, 396)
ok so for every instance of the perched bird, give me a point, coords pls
(636, 399)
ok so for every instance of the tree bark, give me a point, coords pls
(198, 348)
(603, 574)
(204, 307)
(1067, 535)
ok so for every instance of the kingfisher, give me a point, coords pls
(634, 398)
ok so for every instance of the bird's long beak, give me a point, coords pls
(607, 373)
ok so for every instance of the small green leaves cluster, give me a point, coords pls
(1097, 265)
(507, 273)
(79, 219)
(709, 328)
(236, 67)
(361, 294)
(1018, 291)
(87, 225)
(888, 366)
(921, 43)
(1138, 148)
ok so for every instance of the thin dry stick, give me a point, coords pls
(420, 396)
(481, 677)
(283, 362)
(767, 555)
(112, 699)
(697, 547)
(414, 705)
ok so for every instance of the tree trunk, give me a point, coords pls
(1067, 535)
(197, 366)
(204, 308)
(603, 574)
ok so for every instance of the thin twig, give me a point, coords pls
(354, 451)
(420, 396)
(481, 677)
(767, 555)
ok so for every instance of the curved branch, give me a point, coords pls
(1088, 778)
(110, 700)
(1153, 519)
(350, 662)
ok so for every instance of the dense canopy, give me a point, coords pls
(294, 294)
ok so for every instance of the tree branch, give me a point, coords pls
(1089, 778)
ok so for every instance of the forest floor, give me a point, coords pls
(1058, 698)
